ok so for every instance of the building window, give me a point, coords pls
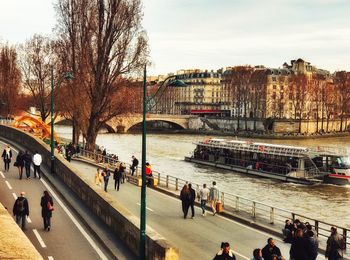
(274, 87)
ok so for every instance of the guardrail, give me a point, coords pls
(234, 203)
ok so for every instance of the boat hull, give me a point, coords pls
(256, 173)
(336, 179)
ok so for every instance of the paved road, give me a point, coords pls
(197, 238)
(67, 239)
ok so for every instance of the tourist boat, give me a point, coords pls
(301, 165)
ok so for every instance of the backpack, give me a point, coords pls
(20, 205)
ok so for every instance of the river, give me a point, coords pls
(166, 152)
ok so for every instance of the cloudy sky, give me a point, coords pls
(210, 34)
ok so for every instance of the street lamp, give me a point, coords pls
(67, 75)
(149, 103)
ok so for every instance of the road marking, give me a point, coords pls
(146, 207)
(8, 185)
(50, 257)
(14, 195)
(2, 175)
(29, 220)
(41, 241)
(81, 229)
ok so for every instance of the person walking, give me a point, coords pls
(335, 245)
(7, 156)
(203, 196)
(21, 210)
(106, 174)
(214, 197)
(37, 159)
(192, 199)
(225, 253)
(185, 197)
(20, 164)
(98, 177)
(134, 164)
(46, 204)
(117, 175)
(27, 158)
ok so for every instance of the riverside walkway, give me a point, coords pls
(197, 238)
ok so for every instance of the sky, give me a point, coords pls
(213, 34)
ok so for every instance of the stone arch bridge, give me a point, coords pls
(123, 123)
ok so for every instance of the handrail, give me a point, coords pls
(238, 203)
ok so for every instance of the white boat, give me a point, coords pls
(302, 165)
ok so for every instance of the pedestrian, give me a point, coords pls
(203, 196)
(63, 151)
(122, 168)
(214, 197)
(192, 199)
(225, 253)
(271, 249)
(37, 159)
(106, 174)
(134, 164)
(149, 174)
(335, 245)
(7, 156)
(27, 162)
(98, 177)
(312, 245)
(20, 164)
(21, 210)
(46, 204)
(257, 254)
(185, 197)
(69, 154)
(117, 176)
(299, 247)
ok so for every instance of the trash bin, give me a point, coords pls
(219, 207)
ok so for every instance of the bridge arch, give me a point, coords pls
(173, 124)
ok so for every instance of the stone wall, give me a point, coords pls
(124, 224)
(14, 243)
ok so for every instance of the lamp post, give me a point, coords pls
(67, 75)
(147, 105)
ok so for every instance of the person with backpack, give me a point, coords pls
(214, 197)
(46, 204)
(21, 210)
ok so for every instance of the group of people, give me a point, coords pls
(68, 150)
(21, 210)
(23, 161)
(105, 173)
(188, 196)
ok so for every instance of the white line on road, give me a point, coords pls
(14, 195)
(41, 241)
(2, 175)
(81, 229)
(146, 207)
(50, 257)
(8, 185)
(29, 220)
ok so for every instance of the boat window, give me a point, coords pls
(343, 162)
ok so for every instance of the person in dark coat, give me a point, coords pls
(312, 245)
(271, 249)
(21, 210)
(299, 247)
(46, 204)
(27, 162)
(134, 165)
(185, 197)
(117, 175)
(193, 198)
(106, 174)
(335, 245)
(7, 156)
(20, 164)
(225, 253)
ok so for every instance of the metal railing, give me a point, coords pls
(236, 204)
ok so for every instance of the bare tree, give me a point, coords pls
(342, 83)
(36, 61)
(109, 45)
(258, 94)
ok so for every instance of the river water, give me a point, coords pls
(166, 152)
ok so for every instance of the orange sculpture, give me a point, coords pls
(34, 126)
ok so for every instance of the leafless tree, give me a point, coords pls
(342, 84)
(109, 46)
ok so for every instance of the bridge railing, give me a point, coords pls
(240, 205)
